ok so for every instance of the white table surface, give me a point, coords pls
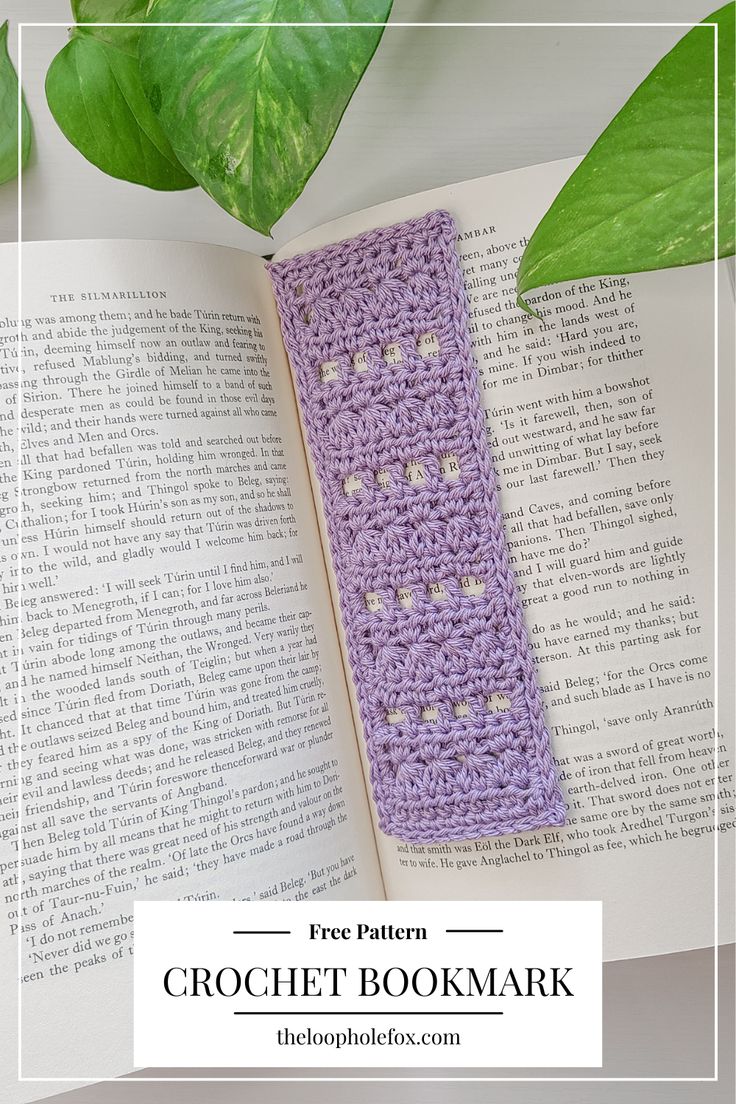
(438, 104)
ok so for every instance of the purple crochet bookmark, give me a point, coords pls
(376, 329)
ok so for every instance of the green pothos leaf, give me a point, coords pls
(113, 11)
(9, 115)
(251, 110)
(94, 91)
(644, 197)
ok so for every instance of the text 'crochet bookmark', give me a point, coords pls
(376, 329)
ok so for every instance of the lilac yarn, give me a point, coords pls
(376, 329)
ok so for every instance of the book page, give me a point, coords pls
(187, 731)
(601, 422)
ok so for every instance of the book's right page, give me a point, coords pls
(601, 423)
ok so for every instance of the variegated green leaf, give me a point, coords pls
(251, 110)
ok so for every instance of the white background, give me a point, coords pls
(435, 106)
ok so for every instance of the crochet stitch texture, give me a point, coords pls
(376, 329)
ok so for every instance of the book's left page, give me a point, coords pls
(186, 728)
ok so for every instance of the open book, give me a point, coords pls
(189, 725)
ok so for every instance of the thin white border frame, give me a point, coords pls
(132, 1078)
